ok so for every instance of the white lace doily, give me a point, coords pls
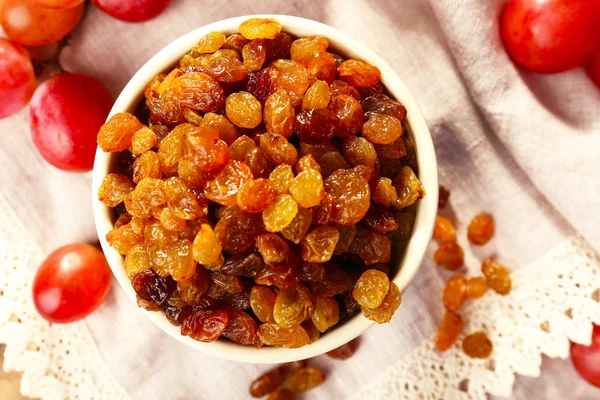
(58, 361)
(554, 299)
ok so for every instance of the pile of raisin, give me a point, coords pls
(459, 288)
(259, 187)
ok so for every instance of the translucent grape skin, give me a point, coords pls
(69, 106)
(132, 10)
(27, 23)
(17, 78)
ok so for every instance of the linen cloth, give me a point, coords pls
(522, 146)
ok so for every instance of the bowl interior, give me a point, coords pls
(426, 209)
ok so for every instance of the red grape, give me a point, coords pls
(586, 359)
(71, 283)
(26, 22)
(66, 114)
(59, 3)
(132, 10)
(593, 70)
(549, 36)
(17, 79)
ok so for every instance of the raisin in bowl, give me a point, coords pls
(266, 189)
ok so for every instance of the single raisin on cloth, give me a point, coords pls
(521, 146)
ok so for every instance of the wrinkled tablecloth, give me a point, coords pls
(522, 146)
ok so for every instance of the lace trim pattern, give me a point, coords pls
(554, 299)
(57, 361)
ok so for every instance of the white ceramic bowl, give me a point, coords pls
(426, 210)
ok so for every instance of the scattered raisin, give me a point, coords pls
(498, 277)
(305, 379)
(455, 292)
(450, 329)
(477, 345)
(444, 230)
(449, 256)
(476, 287)
(345, 351)
(481, 229)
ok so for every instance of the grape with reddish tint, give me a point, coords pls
(593, 70)
(17, 79)
(71, 283)
(586, 359)
(66, 114)
(58, 3)
(132, 10)
(549, 36)
(26, 22)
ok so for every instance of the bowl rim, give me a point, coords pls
(426, 208)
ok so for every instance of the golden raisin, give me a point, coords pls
(476, 287)
(408, 187)
(146, 166)
(388, 307)
(307, 188)
(255, 54)
(450, 329)
(277, 149)
(224, 187)
(210, 43)
(307, 162)
(136, 260)
(358, 73)
(318, 245)
(143, 140)
(304, 49)
(359, 151)
(481, 229)
(317, 96)
(272, 248)
(294, 76)
(352, 196)
(449, 256)
(274, 335)
(114, 189)
(305, 379)
(262, 301)
(279, 114)
(299, 226)
(292, 306)
(268, 381)
(349, 113)
(243, 110)
(371, 288)
(444, 230)
(384, 192)
(455, 292)
(326, 313)
(260, 28)
(477, 345)
(206, 246)
(281, 177)
(254, 196)
(226, 130)
(280, 213)
(382, 129)
(117, 133)
(235, 42)
(498, 277)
